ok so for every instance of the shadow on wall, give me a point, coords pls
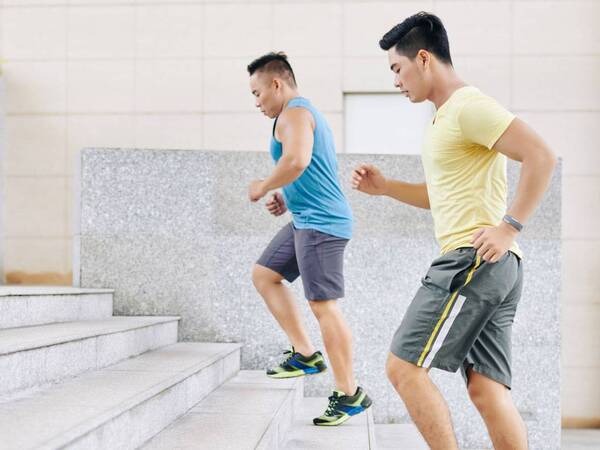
(47, 278)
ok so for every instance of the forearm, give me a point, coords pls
(536, 172)
(286, 171)
(410, 193)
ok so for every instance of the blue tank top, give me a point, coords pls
(315, 199)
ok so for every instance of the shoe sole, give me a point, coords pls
(295, 374)
(366, 404)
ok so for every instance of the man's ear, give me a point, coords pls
(424, 58)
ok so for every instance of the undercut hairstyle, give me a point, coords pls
(422, 31)
(276, 63)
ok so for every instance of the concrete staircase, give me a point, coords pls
(356, 434)
(249, 412)
(73, 376)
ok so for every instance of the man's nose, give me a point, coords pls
(397, 82)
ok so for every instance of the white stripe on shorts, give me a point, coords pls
(460, 301)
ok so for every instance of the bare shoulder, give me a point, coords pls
(293, 118)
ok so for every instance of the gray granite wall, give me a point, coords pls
(173, 233)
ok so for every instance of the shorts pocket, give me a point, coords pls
(449, 272)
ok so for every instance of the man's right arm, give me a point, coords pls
(369, 179)
(410, 193)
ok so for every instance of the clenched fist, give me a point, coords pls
(368, 179)
(276, 204)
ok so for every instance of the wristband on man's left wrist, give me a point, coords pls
(510, 220)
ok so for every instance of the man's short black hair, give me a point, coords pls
(274, 63)
(422, 31)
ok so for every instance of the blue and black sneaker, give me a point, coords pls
(341, 407)
(297, 365)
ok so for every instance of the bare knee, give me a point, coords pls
(402, 374)
(485, 393)
(322, 308)
(263, 277)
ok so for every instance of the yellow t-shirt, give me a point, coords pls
(466, 179)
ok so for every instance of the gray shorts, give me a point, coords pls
(462, 316)
(315, 256)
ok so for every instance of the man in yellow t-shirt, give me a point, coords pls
(461, 317)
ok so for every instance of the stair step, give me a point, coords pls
(249, 412)
(399, 436)
(355, 434)
(33, 356)
(121, 406)
(22, 306)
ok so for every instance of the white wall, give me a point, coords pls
(171, 73)
(384, 123)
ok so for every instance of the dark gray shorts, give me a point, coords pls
(462, 316)
(315, 256)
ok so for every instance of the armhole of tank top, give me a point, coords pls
(295, 106)
(311, 113)
(274, 127)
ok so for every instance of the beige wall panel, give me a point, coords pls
(98, 131)
(31, 255)
(35, 207)
(101, 32)
(574, 136)
(320, 80)
(581, 207)
(476, 27)
(35, 87)
(35, 145)
(366, 22)
(308, 29)
(169, 131)
(580, 335)
(34, 33)
(561, 83)
(226, 87)
(368, 75)
(237, 30)
(100, 86)
(240, 131)
(580, 269)
(168, 85)
(169, 30)
(580, 392)
(538, 27)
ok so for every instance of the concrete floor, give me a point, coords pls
(580, 439)
(388, 437)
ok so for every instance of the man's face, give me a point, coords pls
(410, 74)
(265, 94)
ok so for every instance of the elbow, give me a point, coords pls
(544, 161)
(553, 159)
(550, 160)
(298, 165)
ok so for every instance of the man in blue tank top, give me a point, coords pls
(312, 245)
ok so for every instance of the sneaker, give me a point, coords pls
(297, 365)
(341, 407)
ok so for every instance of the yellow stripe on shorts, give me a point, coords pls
(445, 313)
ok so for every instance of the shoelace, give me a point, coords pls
(291, 355)
(332, 407)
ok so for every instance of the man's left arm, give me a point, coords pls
(520, 143)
